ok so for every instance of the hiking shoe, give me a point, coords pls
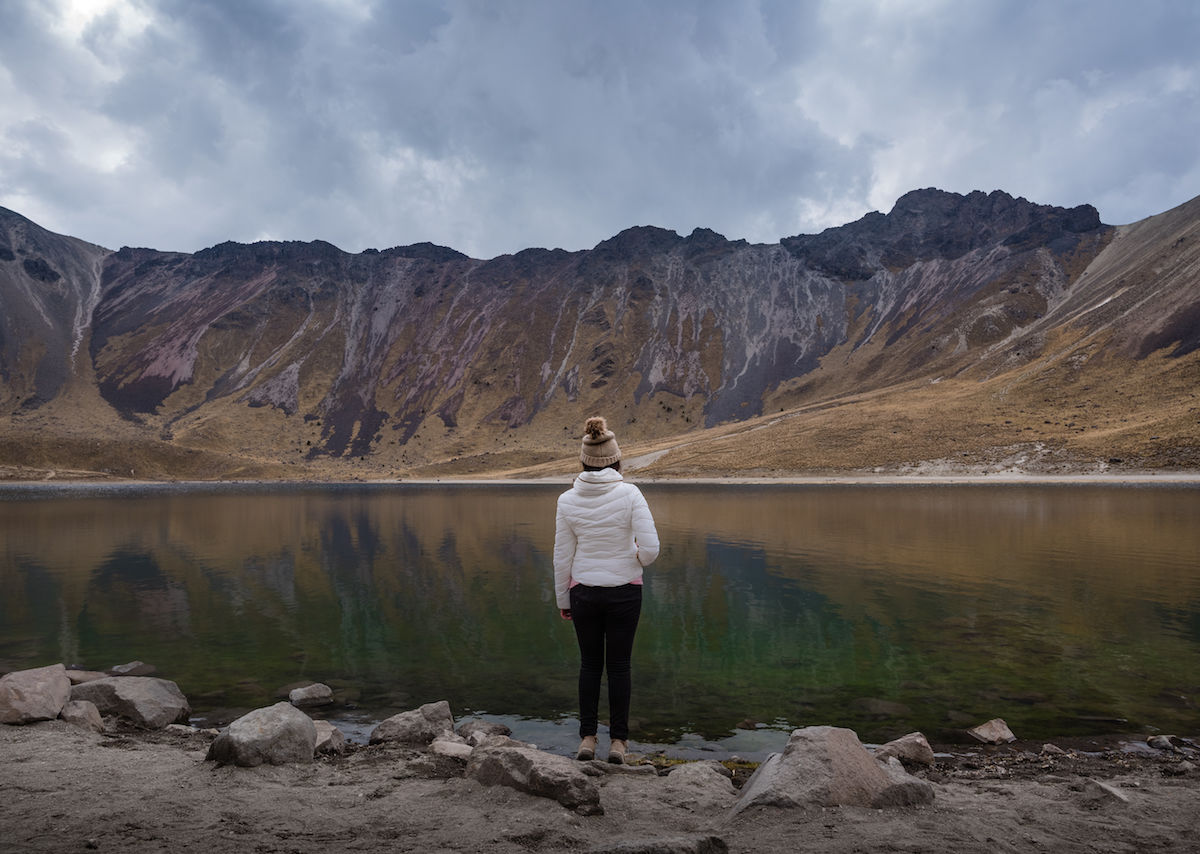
(587, 749)
(617, 751)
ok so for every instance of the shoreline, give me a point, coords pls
(137, 791)
(1175, 478)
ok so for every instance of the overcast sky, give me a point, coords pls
(497, 125)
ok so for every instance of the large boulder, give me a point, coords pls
(824, 766)
(275, 735)
(418, 726)
(143, 700)
(536, 772)
(33, 695)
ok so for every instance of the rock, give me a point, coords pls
(316, 694)
(474, 731)
(911, 749)
(669, 845)
(1052, 750)
(702, 787)
(536, 773)
(456, 749)
(600, 768)
(1096, 793)
(418, 726)
(481, 740)
(1169, 742)
(995, 731)
(133, 668)
(905, 789)
(38, 694)
(285, 691)
(823, 766)
(143, 700)
(330, 739)
(78, 677)
(83, 714)
(275, 735)
(183, 730)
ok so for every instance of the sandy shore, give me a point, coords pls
(64, 789)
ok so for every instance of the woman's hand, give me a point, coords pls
(565, 613)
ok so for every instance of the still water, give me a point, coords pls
(1065, 610)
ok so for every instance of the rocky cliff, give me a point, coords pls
(291, 359)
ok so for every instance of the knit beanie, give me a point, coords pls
(599, 447)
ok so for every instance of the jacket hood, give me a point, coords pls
(593, 482)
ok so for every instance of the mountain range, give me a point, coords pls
(955, 333)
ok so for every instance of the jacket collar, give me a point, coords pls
(598, 480)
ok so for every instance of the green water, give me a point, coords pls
(1064, 610)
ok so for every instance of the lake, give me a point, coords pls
(1064, 609)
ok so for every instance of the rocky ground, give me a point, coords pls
(67, 789)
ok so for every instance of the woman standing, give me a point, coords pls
(603, 536)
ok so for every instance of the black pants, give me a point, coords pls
(605, 620)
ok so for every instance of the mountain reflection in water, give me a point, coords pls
(1063, 610)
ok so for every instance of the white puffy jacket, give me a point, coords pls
(603, 534)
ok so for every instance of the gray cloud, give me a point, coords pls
(491, 127)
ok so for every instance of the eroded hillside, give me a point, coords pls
(954, 331)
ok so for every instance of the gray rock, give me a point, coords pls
(83, 714)
(78, 677)
(143, 700)
(904, 790)
(1096, 794)
(480, 740)
(275, 735)
(38, 694)
(601, 768)
(316, 694)
(330, 739)
(702, 787)
(182, 730)
(821, 766)
(1169, 742)
(995, 731)
(418, 726)
(536, 773)
(1052, 750)
(133, 668)
(911, 749)
(669, 845)
(474, 731)
(446, 747)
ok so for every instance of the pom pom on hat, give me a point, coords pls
(599, 447)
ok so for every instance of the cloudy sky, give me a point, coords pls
(495, 125)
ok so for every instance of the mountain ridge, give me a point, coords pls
(296, 359)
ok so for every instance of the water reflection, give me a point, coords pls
(1063, 610)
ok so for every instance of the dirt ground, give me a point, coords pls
(63, 789)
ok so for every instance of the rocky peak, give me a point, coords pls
(635, 242)
(931, 223)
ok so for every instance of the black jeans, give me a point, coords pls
(605, 620)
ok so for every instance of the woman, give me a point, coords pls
(603, 536)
